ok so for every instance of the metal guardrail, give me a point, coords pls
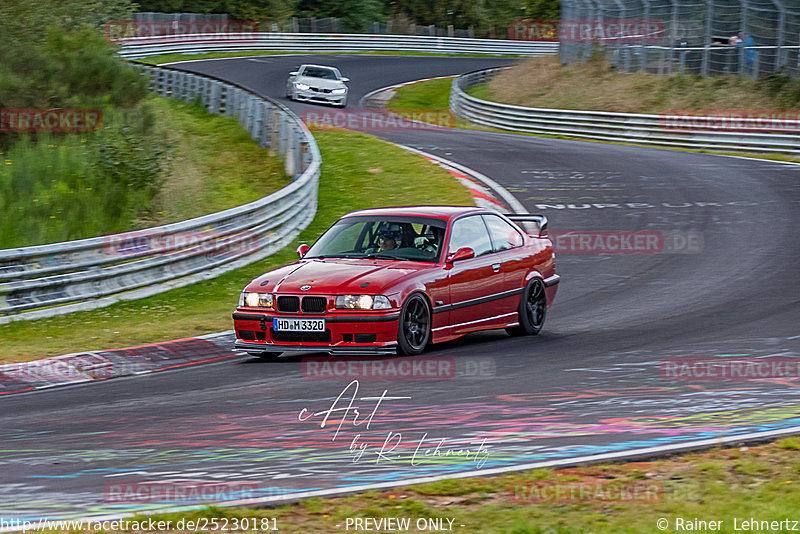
(95, 272)
(138, 47)
(636, 128)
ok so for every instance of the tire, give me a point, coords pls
(414, 326)
(532, 310)
(289, 93)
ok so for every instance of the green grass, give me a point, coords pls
(61, 187)
(428, 95)
(214, 164)
(721, 484)
(358, 171)
(170, 58)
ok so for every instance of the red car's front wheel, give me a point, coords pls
(414, 330)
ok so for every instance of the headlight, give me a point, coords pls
(302, 86)
(255, 300)
(363, 302)
(341, 91)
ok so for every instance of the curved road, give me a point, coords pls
(721, 284)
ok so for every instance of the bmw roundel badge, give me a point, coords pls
(305, 288)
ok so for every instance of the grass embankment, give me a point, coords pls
(213, 165)
(358, 171)
(544, 82)
(74, 186)
(760, 483)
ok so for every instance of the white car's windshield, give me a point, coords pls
(316, 72)
(389, 238)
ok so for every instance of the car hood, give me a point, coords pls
(336, 276)
(322, 83)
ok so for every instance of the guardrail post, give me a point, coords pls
(191, 89)
(256, 121)
(205, 89)
(263, 133)
(244, 105)
(230, 101)
(275, 131)
(215, 97)
(305, 155)
(283, 135)
(290, 161)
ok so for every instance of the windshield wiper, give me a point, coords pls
(324, 256)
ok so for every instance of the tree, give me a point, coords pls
(543, 9)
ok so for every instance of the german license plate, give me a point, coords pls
(295, 324)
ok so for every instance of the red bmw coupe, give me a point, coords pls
(392, 280)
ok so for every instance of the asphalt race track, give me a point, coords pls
(719, 280)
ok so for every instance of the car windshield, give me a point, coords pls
(316, 72)
(382, 238)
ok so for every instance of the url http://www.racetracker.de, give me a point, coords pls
(142, 525)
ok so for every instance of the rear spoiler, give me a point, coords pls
(535, 225)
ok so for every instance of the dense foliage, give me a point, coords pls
(58, 186)
(485, 17)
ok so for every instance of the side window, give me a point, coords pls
(504, 235)
(471, 232)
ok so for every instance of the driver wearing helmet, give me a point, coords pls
(387, 240)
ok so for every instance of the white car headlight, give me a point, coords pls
(363, 302)
(340, 91)
(302, 86)
(255, 300)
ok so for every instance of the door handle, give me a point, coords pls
(496, 267)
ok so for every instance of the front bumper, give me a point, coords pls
(309, 95)
(259, 348)
(345, 333)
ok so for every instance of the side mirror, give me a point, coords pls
(463, 253)
(293, 73)
(345, 79)
(302, 249)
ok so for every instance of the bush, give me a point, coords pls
(64, 186)
(60, 188)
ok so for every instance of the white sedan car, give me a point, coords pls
(317, 83)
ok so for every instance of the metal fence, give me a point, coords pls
(708, 37)
(658, 130)
(138, 47)
(96, 272)
(334, 25)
